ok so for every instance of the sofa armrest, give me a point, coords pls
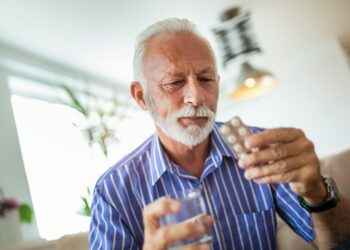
(338, 166)
(73, 242)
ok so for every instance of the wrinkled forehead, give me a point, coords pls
(178, 52)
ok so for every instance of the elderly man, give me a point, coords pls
(176, 80)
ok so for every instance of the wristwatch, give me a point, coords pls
(331, 200)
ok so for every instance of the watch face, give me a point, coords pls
(332, 189)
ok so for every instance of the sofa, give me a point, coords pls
(337, 166)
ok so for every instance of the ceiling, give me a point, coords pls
(98, 36)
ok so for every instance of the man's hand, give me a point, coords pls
(159, 238)
(285, 155)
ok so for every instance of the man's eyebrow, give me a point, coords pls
(175, 73)
(206, 70)
(180, 74)
(170, 73)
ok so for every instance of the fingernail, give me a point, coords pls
(248, 175)
(259, 181)
(247, 143)
(211, 220)
(243, 162)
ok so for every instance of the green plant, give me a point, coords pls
(96, 130)
(86, 210)
(9, 204)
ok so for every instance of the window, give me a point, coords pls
(59, 163)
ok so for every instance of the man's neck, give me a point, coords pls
(190, 158)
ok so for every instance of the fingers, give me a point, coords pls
(272, 136)
(157, 237)
(179, 232)
(195, 247)
(278, 151)
(273, 153)
(154, 211)
(303, 169)
(277, 178)
(299, 177)
(277, 167)
(286, 155)
(204, 219)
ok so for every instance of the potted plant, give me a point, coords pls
(12, 214)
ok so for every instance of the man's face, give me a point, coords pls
(182, 87)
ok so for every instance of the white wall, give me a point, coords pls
(313, 93)
(12, 173)
(300, 44)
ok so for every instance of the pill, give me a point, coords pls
(235, 122)
(225, 129)
(231, 139)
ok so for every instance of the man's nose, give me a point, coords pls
(194, 93)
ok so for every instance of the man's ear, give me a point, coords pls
(137, 93)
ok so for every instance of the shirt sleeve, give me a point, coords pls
(289, 209)
(107, 228)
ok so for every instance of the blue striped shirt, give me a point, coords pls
(244, 211)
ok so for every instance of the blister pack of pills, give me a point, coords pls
(234, 132)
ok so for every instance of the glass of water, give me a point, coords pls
(192, 208)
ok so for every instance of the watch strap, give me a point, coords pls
(318, 208)
(330, 202)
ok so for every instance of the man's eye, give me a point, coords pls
(205, 80)
(177, 82)
(174, 85)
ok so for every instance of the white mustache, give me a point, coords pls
(189, 111)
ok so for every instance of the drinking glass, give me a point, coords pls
(192, 208)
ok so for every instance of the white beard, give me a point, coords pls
(191, 135)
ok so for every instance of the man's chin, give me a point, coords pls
(190, 134)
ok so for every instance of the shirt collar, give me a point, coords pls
(160, 162)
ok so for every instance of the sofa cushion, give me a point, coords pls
(337, 166)
(73, 242)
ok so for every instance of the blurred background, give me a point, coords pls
(65, 110)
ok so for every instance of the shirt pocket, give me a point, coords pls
(255, 230)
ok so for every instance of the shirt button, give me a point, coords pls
(200, 186)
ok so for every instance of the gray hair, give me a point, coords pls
(171, 25)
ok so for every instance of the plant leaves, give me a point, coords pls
(89, 132)
(25, 213)
(75, 102)
(86, 209)
(103, 145)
